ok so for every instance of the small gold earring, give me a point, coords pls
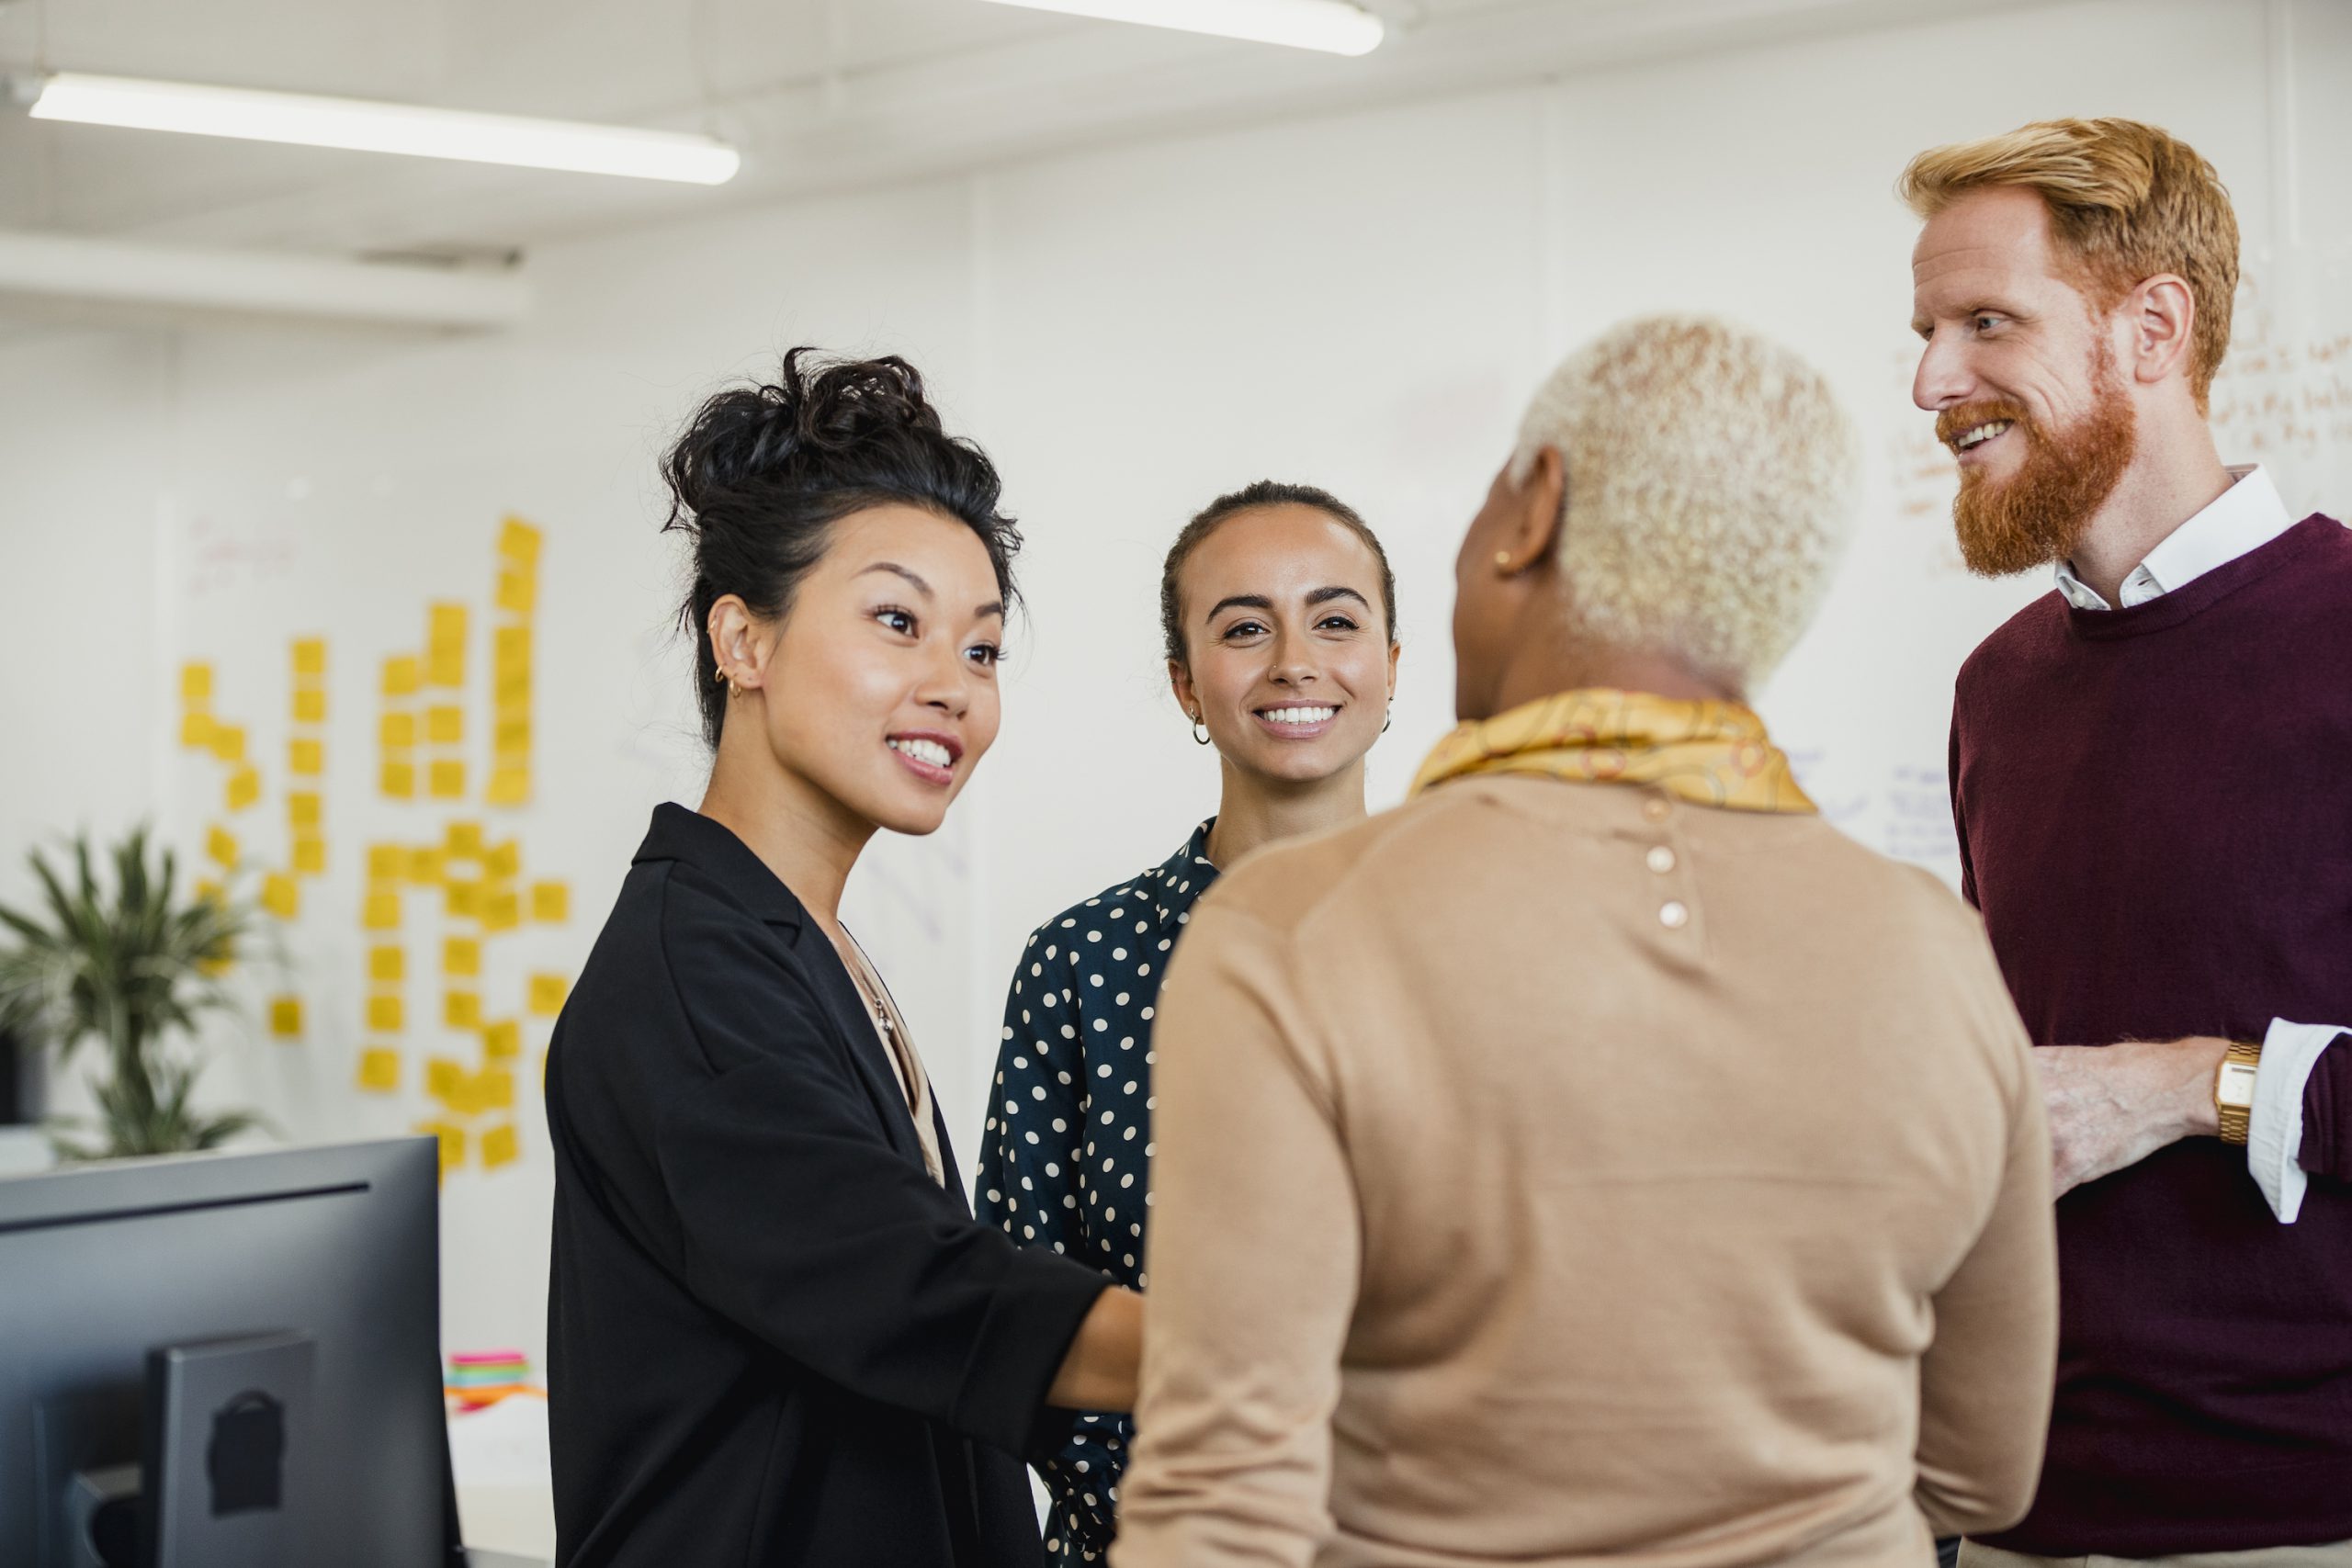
(1502, 561)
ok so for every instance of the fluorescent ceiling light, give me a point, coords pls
(361, 126)
(1334, 26)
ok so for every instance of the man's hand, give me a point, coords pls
(2115, 1105)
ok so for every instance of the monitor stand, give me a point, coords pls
(228, 1439)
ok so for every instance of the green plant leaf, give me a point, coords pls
(125, 967)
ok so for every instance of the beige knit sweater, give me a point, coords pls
(1552, 1173)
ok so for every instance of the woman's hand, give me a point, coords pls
(1100, 1368)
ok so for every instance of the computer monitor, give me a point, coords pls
(225, 1357)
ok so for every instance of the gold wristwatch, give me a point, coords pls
(2234, 1090)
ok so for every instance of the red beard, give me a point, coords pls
(2038, 514)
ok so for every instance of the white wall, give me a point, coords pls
(1361, 302)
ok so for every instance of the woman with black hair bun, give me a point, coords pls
(777, 1334)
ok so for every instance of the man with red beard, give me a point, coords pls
(2149, 772)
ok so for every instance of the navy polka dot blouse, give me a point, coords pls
(1069, 1135)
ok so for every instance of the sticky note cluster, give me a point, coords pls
(202, 730)
(306, 750)
(423, 727)
(510, 656)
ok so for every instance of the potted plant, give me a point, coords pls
(124, 968)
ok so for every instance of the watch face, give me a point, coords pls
(2235, 1086)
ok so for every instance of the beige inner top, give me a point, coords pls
(898, 1044)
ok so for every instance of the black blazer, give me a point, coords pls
(772, 1339)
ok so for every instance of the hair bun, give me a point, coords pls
(750, 439)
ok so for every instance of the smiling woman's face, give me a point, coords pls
(880, 685)
(1290, 664)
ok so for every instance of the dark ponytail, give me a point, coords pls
(764, 471)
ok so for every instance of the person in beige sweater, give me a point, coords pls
(1599, 1157)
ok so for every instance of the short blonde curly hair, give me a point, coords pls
(2126, 200)
(1712, 483)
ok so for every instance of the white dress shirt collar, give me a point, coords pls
(2244, 517)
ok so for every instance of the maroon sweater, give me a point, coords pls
(2155, 808)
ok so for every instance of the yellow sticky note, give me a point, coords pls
(304, 808)
(462, 1009)
(427, 867)
(519, 541)
(453, 1143)
(444, 724)
(403, 675)
(547, 992)
(501, 860)
(311, 705)
(386, 1014)
(310, 855)
(494, 1090)
(511, 651)
(510, 690)
(388, 962)
(460, 955)
(385, 862)
(281, 895)
(461, 898)
(195, 684)
(448, 776)
(382, 912)
(509, 787)
(306, 757)
(500, 1147)
(195, 729)
(380, 1069)
(229, 742)
(502, 1040)
(445, 625)
(512, 738)
(445, 1078)
(399, 781)
(245, 787)
(501, 908)
(517, 591)
(221, 845)
(445, 667)
(396, 731)
(551, 902)
(286, 1017)
(310, 656)
(464, 841)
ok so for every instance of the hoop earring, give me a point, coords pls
(1389, 720)
(1200, 731)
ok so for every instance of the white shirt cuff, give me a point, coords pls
(2274, 1133)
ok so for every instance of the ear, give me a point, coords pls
(734, 638)
(1395, 649)
(1179, 681)
(1535, 517)
(2162, 313)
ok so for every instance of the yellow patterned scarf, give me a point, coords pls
(1710, 753)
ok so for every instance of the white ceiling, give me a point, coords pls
(818, 93)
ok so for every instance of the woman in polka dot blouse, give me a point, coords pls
(1279, 611)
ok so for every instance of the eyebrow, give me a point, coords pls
(1259, 601)
(993, 607)
(895, 569)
